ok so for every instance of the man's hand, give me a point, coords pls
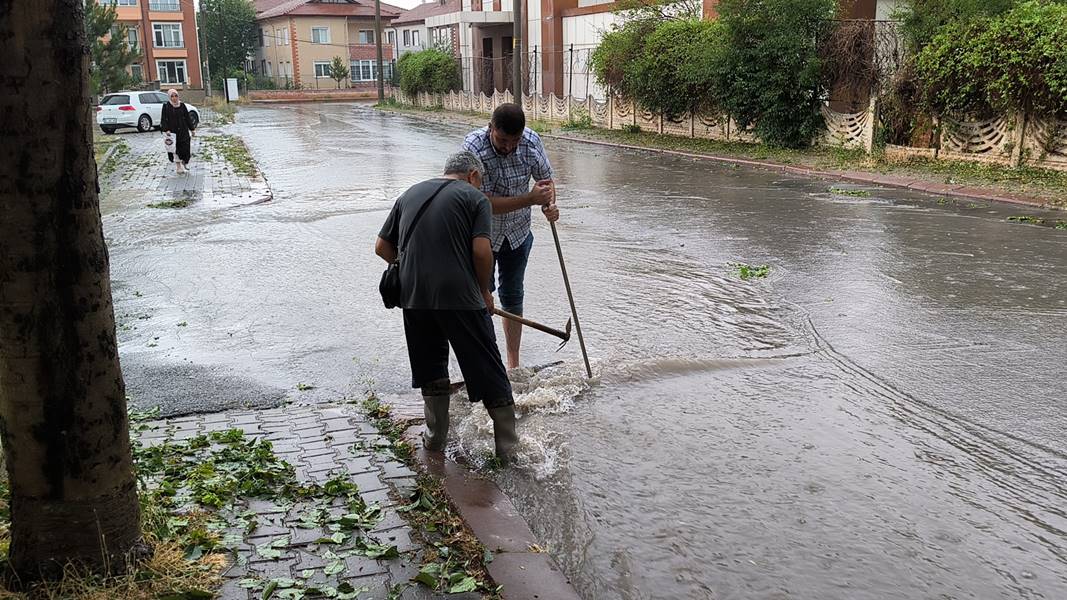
(551, 212)
(488, 297)
(541, 194)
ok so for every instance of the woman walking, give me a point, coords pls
(176, 121)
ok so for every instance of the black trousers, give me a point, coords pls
(472, 337)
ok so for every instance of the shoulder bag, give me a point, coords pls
(389, 287)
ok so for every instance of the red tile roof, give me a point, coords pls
(266, 9)
(423, 11)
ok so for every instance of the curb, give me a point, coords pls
(524, 571)
(959, 190)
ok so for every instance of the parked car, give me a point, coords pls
(142, 110)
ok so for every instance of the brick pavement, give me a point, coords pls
(321, 442)
(212, 182)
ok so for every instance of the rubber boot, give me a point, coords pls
(435, 408)
(504, 433)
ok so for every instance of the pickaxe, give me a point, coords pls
(564, 335)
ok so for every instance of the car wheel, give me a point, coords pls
(144, 123)
(108, 130)
(194, 119)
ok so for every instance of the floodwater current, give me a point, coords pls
(881, 417)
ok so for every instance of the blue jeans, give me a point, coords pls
(510, 273)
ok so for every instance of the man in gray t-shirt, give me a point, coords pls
(445, 273)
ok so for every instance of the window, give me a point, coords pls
(320, 35)
(137, 72)
(147, 98)
(168, 35)
(282, 38)
(115, 100)
(367, 70)
(131, 37)
(391, 36)
(164, 5)
(366, 36)
(261, 35)
(266, 37)
(415, 38)
(171, 71)
(263, 66)
(407, 37)
(119, 2)
(322, 69)
(162, 98)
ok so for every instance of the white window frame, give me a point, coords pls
(325, 70)
(407, 37)
(282, 37)
(171, 5)
(140, 68)
(161, 28)
(160, 71)
(264, 38)
(118, 2)
(320, 29)
(415, 37)
(136, 42)
(369, 36)
(390, 37)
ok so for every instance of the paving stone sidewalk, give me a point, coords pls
(321, 442)
(143, 170)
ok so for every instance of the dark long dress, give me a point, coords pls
(176, 121)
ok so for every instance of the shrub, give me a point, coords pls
(772, 80)
(922, 20)
(1014, 62)
(679, 67)
(432, 71)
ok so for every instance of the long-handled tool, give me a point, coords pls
(570, 296)
(564, 335)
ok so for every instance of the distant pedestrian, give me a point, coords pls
(176, 121)
(513, 155)
(446, 265)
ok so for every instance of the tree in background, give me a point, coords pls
(230, 35)
(338, 70)
(110, 57)
(63, 419)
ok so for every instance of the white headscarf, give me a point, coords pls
(170, 94)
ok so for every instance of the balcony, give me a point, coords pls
(164, 5)
(369, 52)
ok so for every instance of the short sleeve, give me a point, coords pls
(539, 165)
(483, 216)
(391, 229)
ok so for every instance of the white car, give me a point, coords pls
(142, 110)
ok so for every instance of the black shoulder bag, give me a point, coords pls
(390, 284)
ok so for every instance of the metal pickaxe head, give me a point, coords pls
(567, 336)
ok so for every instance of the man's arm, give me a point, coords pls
(385, 249)
(540, 195)
(483, 268)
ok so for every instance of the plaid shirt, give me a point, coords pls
(509, 176)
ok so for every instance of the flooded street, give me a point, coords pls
(882, 417)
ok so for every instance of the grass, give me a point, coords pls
(850, 192)
(100, 147)
(225, 112)
(232, 149)
(454, 560)
(1026, 219)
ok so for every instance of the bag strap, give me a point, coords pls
(418, 215)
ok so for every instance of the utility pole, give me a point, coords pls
(516, 52)
(206, 70)
(378, 48)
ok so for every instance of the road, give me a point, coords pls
(881, 417)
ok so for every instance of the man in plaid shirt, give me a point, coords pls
(513, 155)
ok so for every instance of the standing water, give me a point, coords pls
(880, 417)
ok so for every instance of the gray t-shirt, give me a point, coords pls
(437, 266)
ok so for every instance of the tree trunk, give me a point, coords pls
(63, 419)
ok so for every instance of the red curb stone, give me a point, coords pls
(530, 576)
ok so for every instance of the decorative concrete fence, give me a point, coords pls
(1009, 141)
(843, 130)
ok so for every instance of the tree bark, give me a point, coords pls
(63, 420)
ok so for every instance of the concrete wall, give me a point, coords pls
(584, 32)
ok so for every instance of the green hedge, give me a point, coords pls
(432, 71)
(1016, 61)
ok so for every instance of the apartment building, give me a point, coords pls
(165, 33)
(298, 40)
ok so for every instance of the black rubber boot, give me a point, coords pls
(504, 433)
(435, 408)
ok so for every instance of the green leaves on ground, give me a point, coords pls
(1026, 219)
(182, 203)
(851, 192)
(233, 150)
(747, 272)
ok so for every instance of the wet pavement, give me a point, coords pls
(881, 417)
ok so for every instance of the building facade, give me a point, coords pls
(298, 40)
(164, 31)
